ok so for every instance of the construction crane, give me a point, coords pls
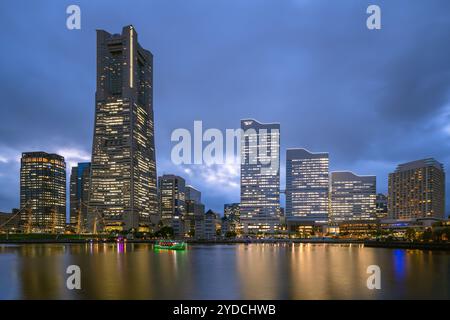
(28, 223)
(97, 217)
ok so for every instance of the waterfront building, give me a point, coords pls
(381, 203)
(43, 192)
(398, 228)
(260, 176)
(172, 201)
(229, 226)
(307, 188)
(232, 219)
(232, 211)
(79, 196)
(123, 192)
(359, 228)
(206, 227)
(352, 197)
(417, 190)
(194, 209)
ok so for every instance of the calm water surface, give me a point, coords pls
(255, 271)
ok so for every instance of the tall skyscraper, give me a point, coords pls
(352, 197)
(307, 186)
(123, 178)
(79, 194)
(260, 176)
(43, 192)
(417, 190)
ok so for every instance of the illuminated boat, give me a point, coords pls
(170, 245)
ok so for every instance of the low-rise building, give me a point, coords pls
(398, 227)
(305, 227)
(359, 228)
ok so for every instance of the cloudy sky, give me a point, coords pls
(372, 99)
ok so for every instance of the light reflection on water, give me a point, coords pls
(255, 271)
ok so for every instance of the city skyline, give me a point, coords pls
(225, 158)
(366, 154)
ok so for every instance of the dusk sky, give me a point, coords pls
(371, 98)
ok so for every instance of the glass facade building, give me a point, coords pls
(193, 194)
(352, 197)
(79, 195)
(417, 190)
(43, 192)
(232, 211)
(123, 173)
(307, 186)
(195, 209)
(172, 198)
(382, 206)
(260, 176)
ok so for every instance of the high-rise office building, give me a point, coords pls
(260, 176)
(123, 172)
(195, 209)
(193, 202)
(307, 186)
(79, 195)
(193, 194)
(417, 190)
(352, 197)
(381, 206)
(172, 201)
(43, 192)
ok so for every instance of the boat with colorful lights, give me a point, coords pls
(170, 245)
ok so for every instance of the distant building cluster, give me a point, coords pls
(119, 190)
